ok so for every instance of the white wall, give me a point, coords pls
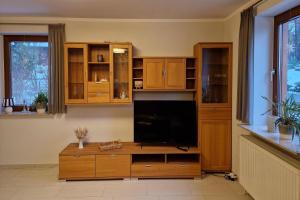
(263, 64)
(33, 140)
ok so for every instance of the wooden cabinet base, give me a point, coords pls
(131, 161)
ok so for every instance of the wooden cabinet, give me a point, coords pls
(175, 73)
(164, 73)
(121, 73)
(75, 73)
(97, 73)
(77, 166)
(215, 143)
(113, 165)
(214, 62)
(129, 161)
(154, 73)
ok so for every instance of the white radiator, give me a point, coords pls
(265, 176)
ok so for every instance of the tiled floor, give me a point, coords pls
(41, 183)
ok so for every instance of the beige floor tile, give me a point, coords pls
(41, 183)
(181, 197)
(125, 188)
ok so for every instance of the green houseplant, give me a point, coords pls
(288, 116)
(40, 102)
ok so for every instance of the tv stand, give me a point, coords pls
(131, 161)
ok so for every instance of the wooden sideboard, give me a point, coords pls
(131, 161)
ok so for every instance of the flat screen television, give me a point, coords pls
(165, 123)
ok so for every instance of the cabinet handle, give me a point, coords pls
(147, 165)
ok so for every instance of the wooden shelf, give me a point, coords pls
(137, 78)
(98, 63)
(137, 68)
(191, 78)
(164, 90)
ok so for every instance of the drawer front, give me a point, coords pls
(113, 165)
(98, 87)
(98, 97)
(182, 169)
(76, 166)
(146, 170)
(214, 113)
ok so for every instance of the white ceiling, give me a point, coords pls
(125, 9)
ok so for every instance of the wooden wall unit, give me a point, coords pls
(165, 73)
(129, 161)
(97, 73)
(214, 62)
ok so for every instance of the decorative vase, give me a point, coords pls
(8, 109)
(80, 134)
(40, 108)
(286, 131)
(80, 143)
(271, 123)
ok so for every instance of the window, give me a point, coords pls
(26, 67)
(287, 55)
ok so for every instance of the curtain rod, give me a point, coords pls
(24, 23)
(257, 3)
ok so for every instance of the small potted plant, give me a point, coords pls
(288, 116)
(40, 103)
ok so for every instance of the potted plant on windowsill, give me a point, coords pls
(288, 116)
(40, 103)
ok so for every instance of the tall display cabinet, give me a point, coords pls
(214, 88)
(98, 73)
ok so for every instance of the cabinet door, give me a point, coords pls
(76, 166)
(215, 143)
(215, 62)
(75, 73)
(113, 166)
(121, 73)
(154, 73)
(175, 73)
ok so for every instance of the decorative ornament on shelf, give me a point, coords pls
(8, 104)
(80, 134)
(104, 146)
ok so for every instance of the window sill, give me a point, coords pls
(292, 147)
(25, 115)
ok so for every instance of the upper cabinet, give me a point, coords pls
(175, 73)
(98, 73)
(75, 73)
(215, 65)
(164, 74)
(121, 73)
(154, 73)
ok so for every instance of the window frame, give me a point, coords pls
(7, 71)
(279, 20)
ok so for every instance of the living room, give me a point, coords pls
(108, 70)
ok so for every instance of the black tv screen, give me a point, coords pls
(165, 123)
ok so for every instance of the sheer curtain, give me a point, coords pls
(56, 39)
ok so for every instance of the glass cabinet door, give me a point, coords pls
(121, 90)
(215, 75)
(75, 73)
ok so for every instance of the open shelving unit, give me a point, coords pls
(190, 73)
